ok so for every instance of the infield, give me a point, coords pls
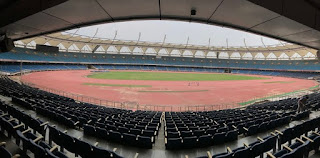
(173, 94)
(164, 76)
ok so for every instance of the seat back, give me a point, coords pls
(257, 149)
(241, 153)
(37, 150)
(4, 152)
(83, 148)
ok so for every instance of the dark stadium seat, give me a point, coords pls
(198, 132)
(270, 143)
(223, 155)
(55, 154)
(222, 129)
(82, 148)
(36, 149)
(173, 134)
(123, 130)
(219, 138)
(205, 140)
(279, 153)
(114, 136)
(241, 152)
(252, 130)
(285, 136)
(149, 133)
(88, 129)
(69, 143)
(211, 131)
(256, 148)
(231, 135)
(189, 142)
(135, 131)
(262, 127)
(129, 139)
(173, 143)
(185, 133)
(101, 133)
(4, 152)
(145, 142)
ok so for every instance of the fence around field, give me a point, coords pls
(178, 108)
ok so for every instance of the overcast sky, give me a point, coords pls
(176, 32)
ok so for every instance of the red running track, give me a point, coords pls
(218, 92)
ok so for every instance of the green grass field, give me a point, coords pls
(163, 76)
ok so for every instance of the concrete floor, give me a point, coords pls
(158, 150)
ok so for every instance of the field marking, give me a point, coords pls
(279, 82)
(162, 91)
(115, 85)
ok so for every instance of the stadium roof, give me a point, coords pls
(293, 21)
(68, 42)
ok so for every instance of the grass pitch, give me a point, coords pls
(164, 76)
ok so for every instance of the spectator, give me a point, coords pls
(302, 104)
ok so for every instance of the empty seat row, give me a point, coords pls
(145, 140)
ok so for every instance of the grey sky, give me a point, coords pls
(176, 32)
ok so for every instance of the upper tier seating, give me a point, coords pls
(14, 68)
(32, 55)
(27, 67)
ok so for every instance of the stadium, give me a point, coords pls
(64, 94)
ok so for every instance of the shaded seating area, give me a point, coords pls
(32, 141)
(294, 142)
(185, 130)
(297, 141)
(29, 139)
(133, 128)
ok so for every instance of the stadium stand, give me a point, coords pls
(122, 126)
(288, 104)
(303, 136)
(40, 61)
(183, 130)
(14, 68)
(192, 129)
(29, 133)
(24, 54)
(42, 123)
